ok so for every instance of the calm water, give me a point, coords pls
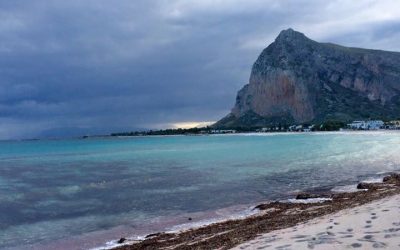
(51, 190)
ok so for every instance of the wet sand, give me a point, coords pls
(248, 233)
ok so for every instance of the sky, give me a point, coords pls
(80, 67)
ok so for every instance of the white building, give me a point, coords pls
(366, 125)
(357, 125)
(292, 128)
(309, 128)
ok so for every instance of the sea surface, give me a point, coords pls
(83, 193)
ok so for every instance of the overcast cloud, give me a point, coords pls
(96, 66)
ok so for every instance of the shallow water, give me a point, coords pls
(59, 189)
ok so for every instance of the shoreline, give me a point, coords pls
(182, 135)
(271, 216)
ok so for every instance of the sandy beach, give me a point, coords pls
(370, 226)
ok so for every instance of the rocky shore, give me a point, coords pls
(272, 216)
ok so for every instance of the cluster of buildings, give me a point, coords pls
(268, 129)
(293, 128)
(222, 131)
(366, 125)
(301, 128)
(373, 125)
(355, 125)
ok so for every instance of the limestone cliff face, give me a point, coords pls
(296, 79)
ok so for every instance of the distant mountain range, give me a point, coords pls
(298, 80)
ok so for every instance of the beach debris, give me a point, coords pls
(394, 178)
(305, 196)
(153, 235)
(365, 185)
(122, 240)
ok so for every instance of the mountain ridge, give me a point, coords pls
(298, 80)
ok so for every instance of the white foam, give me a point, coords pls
(383, 172)
(114, 243)
(373, 180)
(346, 189)
(108, 245)
(307, 201)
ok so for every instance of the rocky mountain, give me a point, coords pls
(298, 80)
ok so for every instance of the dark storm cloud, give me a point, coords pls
(101, 66)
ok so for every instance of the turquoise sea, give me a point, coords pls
(80, 193)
